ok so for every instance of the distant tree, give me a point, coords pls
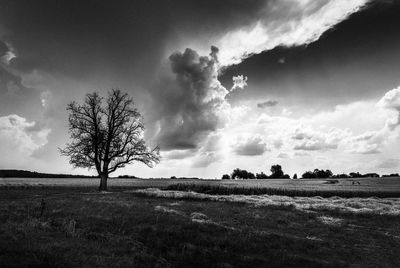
(322, 173)
(341, 176)
(371, 175)
(355, 175)
(242, 174)
(308, 175)
(261, 176)
(127, 177)
(295, 176)
(107, 137)
(276, 171)
(391, 175)
(250, 176)
(226, 177)
(236, 174)
(317, 173)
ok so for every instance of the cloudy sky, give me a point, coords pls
(221, 84)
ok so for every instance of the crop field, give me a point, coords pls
(70, 227)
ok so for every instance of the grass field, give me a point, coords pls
(245, 189)
(364, 187)
(151, 223)
(129, 229)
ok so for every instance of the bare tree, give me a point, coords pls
(107, 138)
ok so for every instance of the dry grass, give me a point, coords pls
(379, 206)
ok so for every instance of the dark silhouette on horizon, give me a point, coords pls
(14, 173)
(277, 173)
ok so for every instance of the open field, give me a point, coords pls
(364, 187)
(318, 188)
(77, 227)
(85, 182)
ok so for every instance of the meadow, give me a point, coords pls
(364, 187)
(147, 223)
(357, 187)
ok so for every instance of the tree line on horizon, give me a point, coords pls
(277, 173)
(14, 173)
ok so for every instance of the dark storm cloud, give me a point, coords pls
(15, 97)
(189, 106)
(81, 38)
(265, 104)
(87, 45)
(3, 48)
(344, 65)
(119, 43)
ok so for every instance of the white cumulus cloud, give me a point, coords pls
(239, 82)
(18, 136)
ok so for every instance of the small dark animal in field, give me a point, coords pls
(355, 182)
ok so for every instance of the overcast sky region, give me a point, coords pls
(221, 84)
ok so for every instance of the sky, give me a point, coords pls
(221, 84)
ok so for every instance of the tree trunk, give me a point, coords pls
(103, 182)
